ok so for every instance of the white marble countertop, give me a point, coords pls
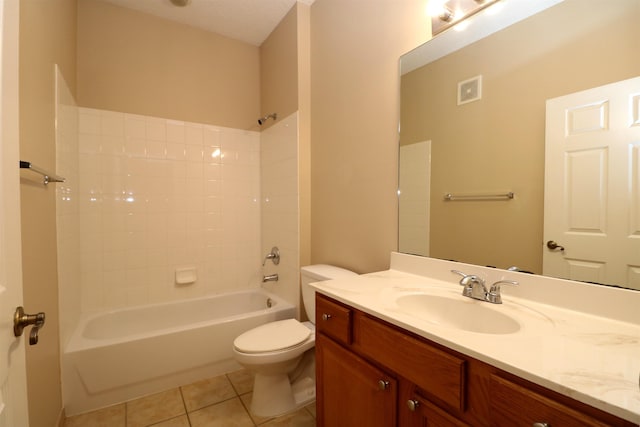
(590, 357)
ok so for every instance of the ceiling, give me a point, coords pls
(250, 21)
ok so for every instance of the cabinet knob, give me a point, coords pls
(383, 384)
(326, 316)
(412, 404)
(541, 425)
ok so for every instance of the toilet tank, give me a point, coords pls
(318, 273)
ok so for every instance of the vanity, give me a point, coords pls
(554, 353)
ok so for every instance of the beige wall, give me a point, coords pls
(304, 130)
(497, 144)
(355, 46)
(137, 63)
(47, 37)
(279, 70)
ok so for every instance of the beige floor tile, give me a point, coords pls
(311, 408)
(229, 413)
(207, 392)
(113, 416)
(246, 399)
(242, 380)
(181, 421)
(154, 408)
(300, 418)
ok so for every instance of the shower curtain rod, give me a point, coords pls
(478, 197)
(48, 177)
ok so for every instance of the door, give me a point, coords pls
(414, 198)
(592, 185)
(13, 389)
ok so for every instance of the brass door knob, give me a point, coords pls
(21, 320)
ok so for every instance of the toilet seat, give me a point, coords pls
(274, 336)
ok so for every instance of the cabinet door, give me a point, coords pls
(416, 411)
(350, 391)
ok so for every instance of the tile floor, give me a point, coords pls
(221, 401)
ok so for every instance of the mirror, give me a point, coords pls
(491, 141)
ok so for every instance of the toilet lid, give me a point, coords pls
(272, 336)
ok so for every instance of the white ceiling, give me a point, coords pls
(250, 21)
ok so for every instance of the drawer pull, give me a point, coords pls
(541, 425)
(326, 316)
(412, 404)
(383, 384)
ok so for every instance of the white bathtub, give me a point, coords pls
(123, 354)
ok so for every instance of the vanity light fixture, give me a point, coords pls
(449, 13)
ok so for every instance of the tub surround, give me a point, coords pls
(123, 354)
(579, 340)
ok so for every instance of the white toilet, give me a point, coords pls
(281, 354)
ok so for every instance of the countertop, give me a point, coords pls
(589, 357)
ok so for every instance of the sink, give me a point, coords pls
(459, 313)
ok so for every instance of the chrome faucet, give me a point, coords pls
(274, 256)
(270, 278)
(474, 287)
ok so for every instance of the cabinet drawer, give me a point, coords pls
(513, 404)
(333, 319)
(436, 372)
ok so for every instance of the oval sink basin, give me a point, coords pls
(459, 313)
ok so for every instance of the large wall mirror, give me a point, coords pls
(473, 124)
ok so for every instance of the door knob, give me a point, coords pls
(22, 320)
(553, 246)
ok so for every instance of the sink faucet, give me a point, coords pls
(474, 287)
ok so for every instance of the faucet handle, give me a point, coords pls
(274, 256)
(494, 295)
(469, 281)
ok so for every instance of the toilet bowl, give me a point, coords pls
(281, 353)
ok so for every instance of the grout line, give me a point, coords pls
(184, 405)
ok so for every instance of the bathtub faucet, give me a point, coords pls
(270, 278)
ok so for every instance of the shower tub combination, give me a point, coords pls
(127, 353)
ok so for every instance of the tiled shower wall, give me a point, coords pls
(158, 195)
(145, 196)
(67, 209)
(280, 201)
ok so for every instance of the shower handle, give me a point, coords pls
(274, 256)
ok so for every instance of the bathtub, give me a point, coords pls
(118, 355)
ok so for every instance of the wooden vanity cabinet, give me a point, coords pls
(371, 373)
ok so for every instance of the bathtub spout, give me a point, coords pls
(270, 278)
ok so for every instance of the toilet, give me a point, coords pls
(281, 353)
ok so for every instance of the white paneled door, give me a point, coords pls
(13, 394)
(592, 185)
